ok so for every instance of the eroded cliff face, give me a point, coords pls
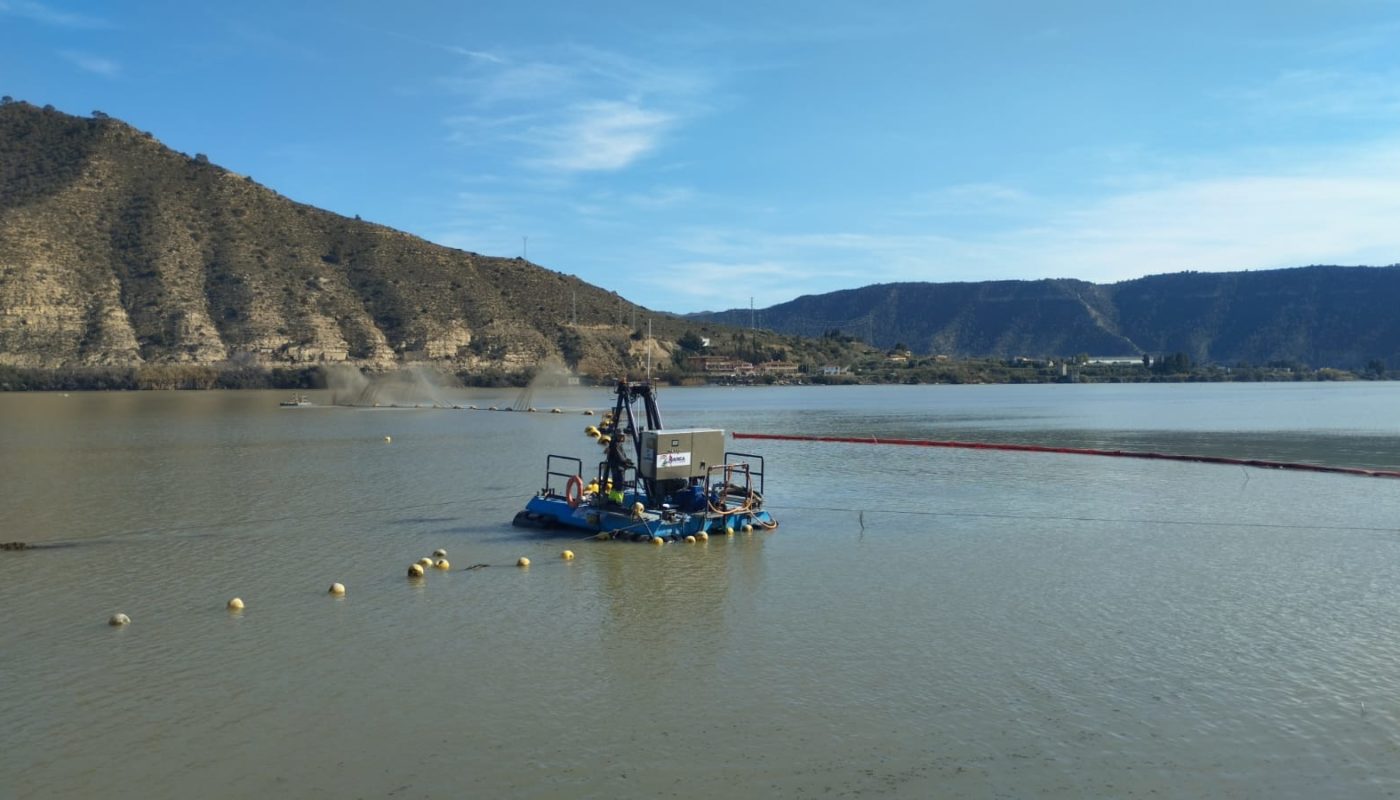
(115, 250)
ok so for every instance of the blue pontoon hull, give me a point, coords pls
(545, 511)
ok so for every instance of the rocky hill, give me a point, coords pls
(116, 250)
(1320, 316)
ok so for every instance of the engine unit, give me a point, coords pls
(680, 453)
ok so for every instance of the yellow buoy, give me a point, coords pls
(442, 563)
(658, 541)
(728, 530)
(388, 439)
(415, 570)
(588, 412)
(236, 604)
(439, 553)
(523, 562)
(337, 589)
(556, 411)
(604, 439)
(117, 620)
(567, 555)
(425, 562)
(702, 536)
(690, 540)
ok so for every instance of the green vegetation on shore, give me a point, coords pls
(872, 368)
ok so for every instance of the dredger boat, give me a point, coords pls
(653, 482)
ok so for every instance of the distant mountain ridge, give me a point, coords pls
(1318, 315)
(116, 250)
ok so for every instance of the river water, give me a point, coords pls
(924, 623)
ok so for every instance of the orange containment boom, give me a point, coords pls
(1080, 451)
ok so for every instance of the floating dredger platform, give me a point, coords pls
(653, 482)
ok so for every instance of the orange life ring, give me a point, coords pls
(573, 491)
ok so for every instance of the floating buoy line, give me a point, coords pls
(1191, 523)
(1080, 451)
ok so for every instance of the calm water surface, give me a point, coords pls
(924, 623)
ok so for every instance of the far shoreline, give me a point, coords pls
(193, 377)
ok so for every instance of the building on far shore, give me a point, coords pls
(777, 368)
(728, 366)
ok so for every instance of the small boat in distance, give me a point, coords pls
(298, 400)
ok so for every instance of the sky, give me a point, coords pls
(703, 156)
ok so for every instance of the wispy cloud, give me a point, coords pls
(603, 135)
(588, 110)
(499, 82)
(38, 12)
(726, 284)
(661, 197)
(1330, 93)
(1313, 209)
(480, 55)
(988, 199)
(88, 62)
(1348, 41)
(1339, 212)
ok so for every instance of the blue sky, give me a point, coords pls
(693, 156)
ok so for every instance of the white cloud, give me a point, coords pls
(583, 110)
(97, 65)
(604, 135)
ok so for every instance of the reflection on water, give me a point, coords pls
(924, 623)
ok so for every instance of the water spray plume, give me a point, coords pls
(410, 387)
(552, 374)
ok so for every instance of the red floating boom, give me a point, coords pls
(1079, 451)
